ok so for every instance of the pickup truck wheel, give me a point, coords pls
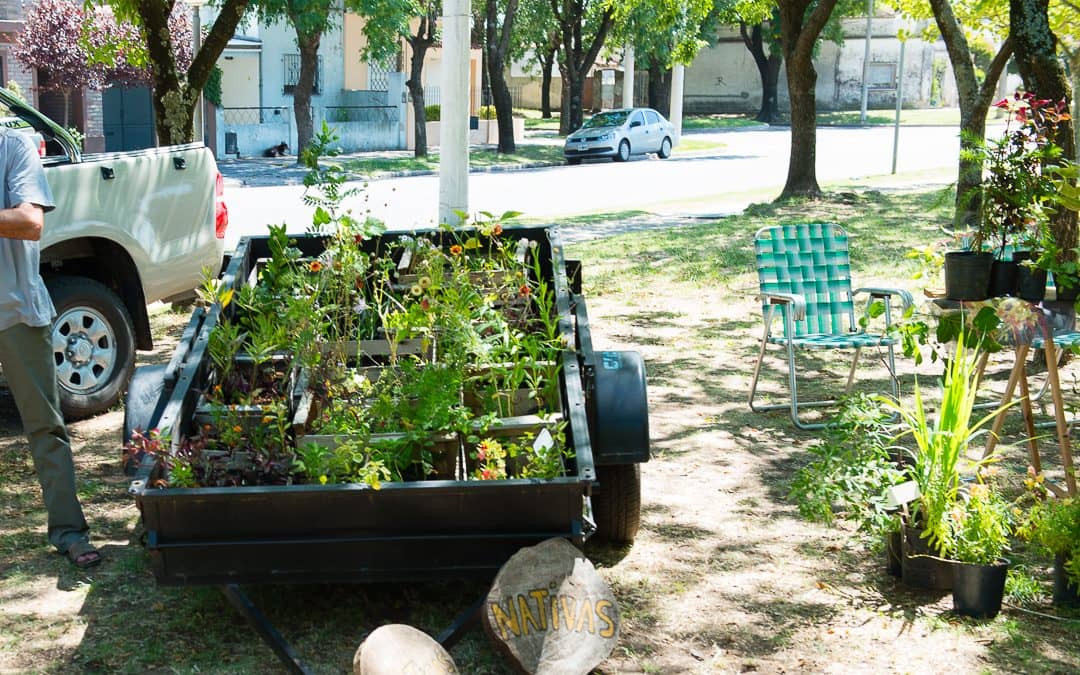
(93, 345)
(616, 502)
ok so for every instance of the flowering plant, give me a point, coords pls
(1054, 524)
(980, 523)
(1019, 180)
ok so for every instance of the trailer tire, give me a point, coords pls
(616, 503)
(93, 340)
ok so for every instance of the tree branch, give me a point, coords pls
(813, 26)
(993, 73)
(220, 33)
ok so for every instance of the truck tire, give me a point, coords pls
(616, 503)
(93, 345)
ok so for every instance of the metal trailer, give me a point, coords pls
(406, 530)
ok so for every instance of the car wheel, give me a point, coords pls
(624, 151)
(573, 161)
(93, 343)
(665, 149)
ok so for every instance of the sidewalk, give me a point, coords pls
(271, 171)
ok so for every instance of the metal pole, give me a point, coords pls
(196, 30)
(899, 103)
(454, 124)
(866, 62)
(628, 77)
(678, 72)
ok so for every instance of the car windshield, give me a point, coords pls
(608, 119)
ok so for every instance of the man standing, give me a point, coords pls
(26, 353)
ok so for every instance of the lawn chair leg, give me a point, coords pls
(1010, 387)
(757, 371)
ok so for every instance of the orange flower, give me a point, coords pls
(497, 230)
(315, 266)
(456, 249)
(524, 290)
(238, 428)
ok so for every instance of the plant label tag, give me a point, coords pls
(543, 441)
(406, 260)
(522, 249)
(901, 494)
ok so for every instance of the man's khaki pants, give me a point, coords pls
(26, 356)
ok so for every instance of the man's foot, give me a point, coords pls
(82, 554)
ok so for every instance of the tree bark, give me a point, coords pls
(975, 100)
(659, 90)
(799, 32)
(768, 65)
(1036, 57)
(176, 94)
(497, 45)
(577, 56)
(547, 65)
(305, 86)
(420, 42)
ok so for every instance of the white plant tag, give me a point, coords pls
(901, 494)
(543, 441)
(522, 249)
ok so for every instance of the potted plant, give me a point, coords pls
(978, 537)
(1054, 524)
(941, 442)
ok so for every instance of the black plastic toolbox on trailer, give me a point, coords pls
(405, 530)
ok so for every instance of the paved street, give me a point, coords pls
(750, 166)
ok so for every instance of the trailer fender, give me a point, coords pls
(144, 400)
(619, 423)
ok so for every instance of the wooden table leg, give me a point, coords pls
(1029, 426)
(1010, 387)
(1059, 416)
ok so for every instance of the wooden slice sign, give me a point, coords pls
(396, 649)
(549, 611)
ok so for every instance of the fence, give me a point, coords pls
(244, 116)
(360, 113)
(250, 131)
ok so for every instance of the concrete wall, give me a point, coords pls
(240, 79)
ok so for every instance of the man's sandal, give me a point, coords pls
(82, 554)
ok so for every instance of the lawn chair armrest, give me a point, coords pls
(797, 302)
(904, 296)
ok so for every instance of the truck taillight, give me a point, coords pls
(41, 148)
(221, 212)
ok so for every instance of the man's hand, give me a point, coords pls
(24, 221)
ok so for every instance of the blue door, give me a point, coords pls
(128, 119)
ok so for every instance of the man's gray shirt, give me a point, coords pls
(23, 296)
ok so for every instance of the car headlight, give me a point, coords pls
(607, 137)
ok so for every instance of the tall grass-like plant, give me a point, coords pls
(941, 442)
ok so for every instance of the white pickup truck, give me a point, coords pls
(129, 228)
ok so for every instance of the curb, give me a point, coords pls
(512, 168)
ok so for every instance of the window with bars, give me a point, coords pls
(291, 63)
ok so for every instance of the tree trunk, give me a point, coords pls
(768, 65)
(975, 100)
(660, 88)
(176, 94)
(547, 64)
(800, 29)
(497, 44)
(305, 86)
(1036, 57)
(564, 101)
(419, 42)
(577, 56)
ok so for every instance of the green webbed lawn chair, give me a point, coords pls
(804, 271)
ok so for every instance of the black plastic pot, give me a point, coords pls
(894, 553)
(1066, 293)
(922, 569)
(1003, 277)
(967, 274)
(1031, 283)
(1066, 594)
(978, 589)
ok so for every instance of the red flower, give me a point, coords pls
(1003, 103)
(425, 304)
(455, 249)
(487, 474)
(524, 290)
(358, 239)
(315, 266)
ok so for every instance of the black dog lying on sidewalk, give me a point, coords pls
(279, 150)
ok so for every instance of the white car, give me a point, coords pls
(620, 134)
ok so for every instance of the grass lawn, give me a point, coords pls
(927, 116)
(724, 575)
